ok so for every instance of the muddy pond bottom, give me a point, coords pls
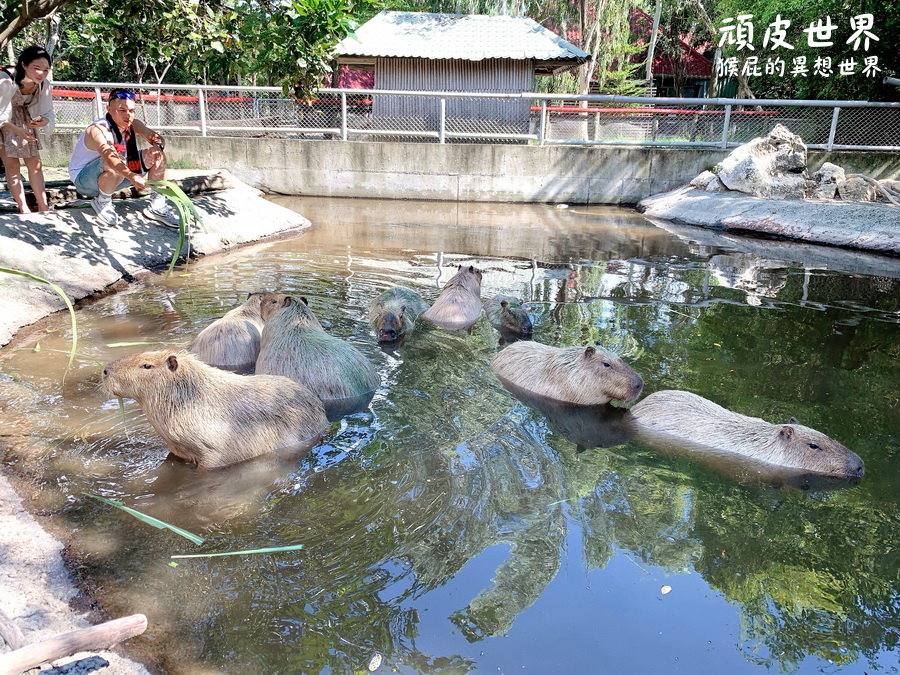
(448, 527)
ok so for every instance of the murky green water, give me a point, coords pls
(449, 527)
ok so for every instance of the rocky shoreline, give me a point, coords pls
(69, 248)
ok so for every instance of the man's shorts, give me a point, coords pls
(86, 182)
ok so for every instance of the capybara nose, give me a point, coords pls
(105, 372)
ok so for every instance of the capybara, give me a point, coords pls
(393, 313)
(295, 345)
(459, 304)
(232, 342)
(213, 417)
(507, 316)
(578, 375)
(695, 421)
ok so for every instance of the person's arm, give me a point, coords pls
(7, 90)
(42, 115)
(101, 140)
(145, 132)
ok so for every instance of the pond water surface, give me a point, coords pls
(450, 528)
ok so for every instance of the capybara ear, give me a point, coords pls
(787, 433)
(304, 301)
(172, 362)
(472, 269)
(287, 301)
(794, 420)
(589, 351)
(504, 304)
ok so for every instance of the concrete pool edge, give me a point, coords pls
(68, 247)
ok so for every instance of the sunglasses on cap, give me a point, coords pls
(122, 94)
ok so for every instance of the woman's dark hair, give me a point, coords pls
(29, 54)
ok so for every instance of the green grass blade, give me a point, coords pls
(275, 549)
(150, 520)
(187, 213)
(131, 344)
(61, 293)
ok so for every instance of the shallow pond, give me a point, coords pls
(449, 527)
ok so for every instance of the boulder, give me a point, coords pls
(855, 189)
(715, 185)
(769, 166)
(701, 181)
(827, 179)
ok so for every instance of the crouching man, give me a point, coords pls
(106, 159)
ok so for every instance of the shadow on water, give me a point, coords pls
(451, 526)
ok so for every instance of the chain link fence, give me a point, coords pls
(452, 117)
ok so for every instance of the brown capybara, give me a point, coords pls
(295, 345)
(578, 375)
(210, 416)
(393, 313)
(459, 304)
(232, 342)
(507, 315)
(696, 421)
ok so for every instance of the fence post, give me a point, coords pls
(831, 133)
(201, 100)
(98, 103)
(543, 123)
(726, 123)
(443, 128)
(343, 115)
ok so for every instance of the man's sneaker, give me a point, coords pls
(164, 215)
(106, 212)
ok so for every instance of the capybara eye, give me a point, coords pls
(147, 366)
(814, 446)
(606, 364)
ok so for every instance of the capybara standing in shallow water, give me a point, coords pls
(507, 316)
(232, 342)
(393, 313)
(696, 421)
(295, 345)
(213, 417)
(459, 304)
(579, 375)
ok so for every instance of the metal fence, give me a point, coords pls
(455, 117)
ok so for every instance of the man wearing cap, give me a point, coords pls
(106, 159)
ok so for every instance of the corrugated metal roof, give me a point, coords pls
(473, 37)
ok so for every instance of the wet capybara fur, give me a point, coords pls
(232, 342)
(393, 313)
(579, 375)
(506, 314)
(212, 417)
(295, 345)
(696, 421)
(459, 304)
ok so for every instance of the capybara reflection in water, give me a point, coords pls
(213, 417)
(579, 375)
(295, 345)
(507, 316)
(232, 342)
(459, 304)
(695, 421)
(393, 313)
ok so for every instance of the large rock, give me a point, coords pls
(855, 189)
(827, 178)
(769, 166)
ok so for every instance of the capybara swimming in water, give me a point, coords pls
(213, 417)
(695, 421)
(459, 304)
(393, 313)
(295, 345)
(579, 375)
(232, 342)
(507, 316)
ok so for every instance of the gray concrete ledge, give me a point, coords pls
(866, 226)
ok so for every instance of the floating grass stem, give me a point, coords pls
(187, 214)
(274, 549)
(150, 520)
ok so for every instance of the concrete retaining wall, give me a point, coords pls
(486, 173)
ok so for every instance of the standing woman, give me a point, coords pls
(26, 105)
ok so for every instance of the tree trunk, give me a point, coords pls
(17, 15)
(651, 50)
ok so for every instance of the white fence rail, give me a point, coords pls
(455, 117)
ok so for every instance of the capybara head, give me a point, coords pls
(514, 320)
(389, 326)
(147, 374)
(621, 381)
(468, 277)
(814, 450)
(271, 303)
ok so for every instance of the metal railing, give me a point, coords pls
(466, 117)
